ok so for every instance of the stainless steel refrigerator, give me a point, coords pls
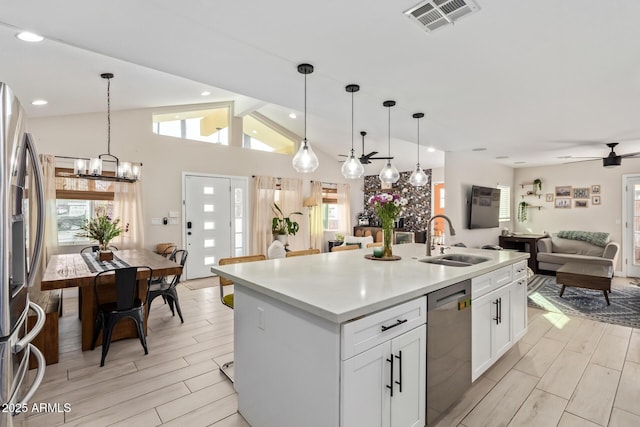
(19, 166)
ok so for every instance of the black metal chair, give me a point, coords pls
(167, 288)
(127, 304)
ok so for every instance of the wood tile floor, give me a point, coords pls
(566, 371)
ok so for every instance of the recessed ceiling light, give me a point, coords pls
(479, 149)
(205, 93)
(431, 149)
(26, 36)
(40, 102)
(519, 163)
(502, 157)
(292, 115)
(563, 157)
(254, 131)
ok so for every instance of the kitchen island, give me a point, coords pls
(309, 348)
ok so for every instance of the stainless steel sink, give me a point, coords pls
(470, 259)
(455, 260)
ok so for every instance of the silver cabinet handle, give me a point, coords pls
(38, 243)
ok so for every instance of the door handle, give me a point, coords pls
(188, 233)
(391, 373)
(399, 357)
(39, 184)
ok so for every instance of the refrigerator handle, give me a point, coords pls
(20, 345)
(39, 183)
(39, 375)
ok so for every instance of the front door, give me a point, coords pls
(208, 227)
(632, 226)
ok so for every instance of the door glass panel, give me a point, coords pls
(209, 225)
(209, 243)
(209, 260)
(207, 190)
(238, 240)
(208, 208)
(238, 222)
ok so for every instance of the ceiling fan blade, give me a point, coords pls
(630, 154)
(586, 159)
(342, 155)
(380, 158)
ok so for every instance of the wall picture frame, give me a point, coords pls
(563, 203)
(595, 189)
(549, 197)
(595, 200)
(581, 192)
(563, 191)
(581, 203)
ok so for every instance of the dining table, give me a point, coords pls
(78, 270)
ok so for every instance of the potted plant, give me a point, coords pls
(102, 229)
(522, 211)
(282, 226)
(537, 182)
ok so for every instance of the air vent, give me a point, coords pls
(433, 14)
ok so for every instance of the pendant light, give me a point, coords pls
(352, 168)
(305, 160)
(124, 171)
(418, 178)
(389, 174)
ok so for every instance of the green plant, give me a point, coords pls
(339, 237)
(102, 229)
(281, 224)
(522, 211)
(537, 182)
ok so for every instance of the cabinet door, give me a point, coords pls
(501, 333)
(482, 313)
(519, 308)
(409, 377)
(365, 398)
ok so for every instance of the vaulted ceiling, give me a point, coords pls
(531, 81)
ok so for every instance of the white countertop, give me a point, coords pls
(340, 286)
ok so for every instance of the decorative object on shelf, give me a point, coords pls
(549, 197)
(389, 173)
(522, 211)
(282, 226)
(103, 229)
(352, 168)
(388, 206)
(305, 160)
(382, 258)
(124, 171)
(339, 237)
(537, 182)
(418, 177)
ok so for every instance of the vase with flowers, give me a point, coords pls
(388, 207)
(102, 229)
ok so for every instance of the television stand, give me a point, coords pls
(524, 243)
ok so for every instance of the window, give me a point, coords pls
(78, 200)
(505, 203)
(206, 125)
(330, 219)
(260, 133)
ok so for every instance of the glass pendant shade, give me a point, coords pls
(80, 167)
(135, 171)
(95, 166)
(352, 168)
(389, 174)
(418, 178)
(305, 160)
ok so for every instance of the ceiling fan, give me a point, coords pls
(612, 159)
(365, 159)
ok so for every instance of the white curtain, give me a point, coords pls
(290, 200)
(317, 229)
(264, 192)
(127, 204)
(50, 238)
(344, 207)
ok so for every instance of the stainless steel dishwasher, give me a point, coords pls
(448, 347)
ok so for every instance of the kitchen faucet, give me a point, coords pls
(452, 231)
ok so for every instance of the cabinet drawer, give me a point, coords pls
(366, 333)
(519, 270)
(487, 282)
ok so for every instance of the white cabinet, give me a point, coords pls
(490, 329)
(519, 308)
(386, 385)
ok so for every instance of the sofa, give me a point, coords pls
(555, 251)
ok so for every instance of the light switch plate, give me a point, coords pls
(156, 221)
(174, 221)
(174, 214)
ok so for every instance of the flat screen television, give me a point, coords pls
(484, 210)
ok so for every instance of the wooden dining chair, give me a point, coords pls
(302, 252)
(227, 299)
(374, 245)
(344, 248)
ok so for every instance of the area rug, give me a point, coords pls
(544, 293)
(205, 282)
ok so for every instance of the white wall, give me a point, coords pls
(461, 171)
(606, 217)
(165, 158)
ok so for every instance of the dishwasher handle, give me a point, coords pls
(451, 293)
